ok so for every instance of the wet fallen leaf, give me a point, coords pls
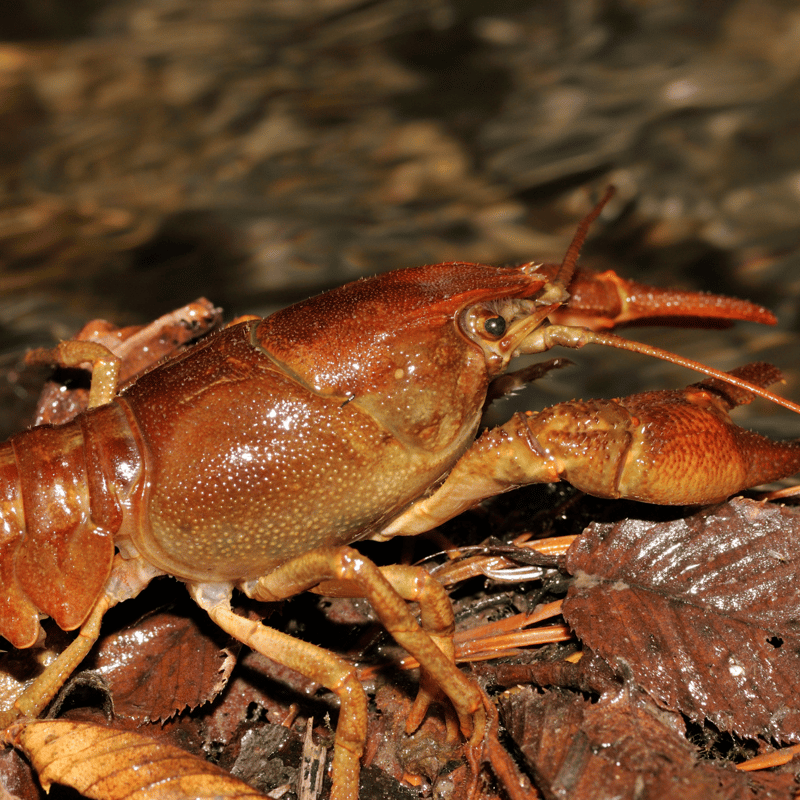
(625, 747)
(702, 612)
(164, 663)
(108, 764)
(16, 778)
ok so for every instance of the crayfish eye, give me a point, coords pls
(495, 326)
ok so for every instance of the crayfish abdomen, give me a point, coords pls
(63, 491)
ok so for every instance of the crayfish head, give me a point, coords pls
(500, 326)
(508, 326)
(396, 346)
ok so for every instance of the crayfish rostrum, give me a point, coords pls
(252, 460)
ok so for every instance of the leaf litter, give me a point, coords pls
(686, 658)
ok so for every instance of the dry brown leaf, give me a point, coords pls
(702, 612)
(107, 764)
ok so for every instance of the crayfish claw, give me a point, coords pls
(759, 373)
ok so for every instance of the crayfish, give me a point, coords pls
(255, 458)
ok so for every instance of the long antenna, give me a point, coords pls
(575, 338)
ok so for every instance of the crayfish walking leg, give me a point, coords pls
(359, 576)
